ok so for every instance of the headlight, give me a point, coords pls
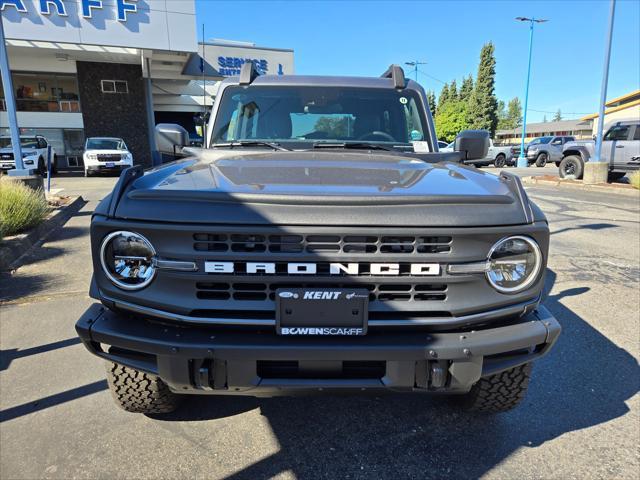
(128, 259)
(92, 156)
(513, 264)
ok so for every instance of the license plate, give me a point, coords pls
(110, 164)
(322, 311)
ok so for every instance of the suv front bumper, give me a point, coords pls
(197, 359)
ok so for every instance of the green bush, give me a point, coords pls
(20, 207)
(634, 180)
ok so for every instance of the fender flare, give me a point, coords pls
(579, 150)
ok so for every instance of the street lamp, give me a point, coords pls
(415, 66)
(522, 160)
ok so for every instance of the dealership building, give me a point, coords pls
(115, 68)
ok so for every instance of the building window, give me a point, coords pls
(44, 92)
(114, 86)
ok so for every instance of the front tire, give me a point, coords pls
(500, 392)
(541, 160)
(571, 166)
(140, 392)
(500, 161)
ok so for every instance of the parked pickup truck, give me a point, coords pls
(497, 156)
(542, 150)
(620, 149)
(292, 254)
(34, 154)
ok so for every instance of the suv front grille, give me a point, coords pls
(109, 157)
(310, 244)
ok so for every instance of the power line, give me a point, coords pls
(530, 109)
(564, 113)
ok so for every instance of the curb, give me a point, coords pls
(12, 250)
(629, 192)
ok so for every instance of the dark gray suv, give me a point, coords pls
(318, 241)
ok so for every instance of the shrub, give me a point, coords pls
(20, 207)
(634, 180)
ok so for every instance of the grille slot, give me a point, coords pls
(260, 292)
(291, 243)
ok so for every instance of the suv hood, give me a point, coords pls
(321, 187)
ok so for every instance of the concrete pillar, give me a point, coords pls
(595, 172)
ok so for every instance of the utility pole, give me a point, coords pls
(522, 160)
(597, 171)
(415, 64)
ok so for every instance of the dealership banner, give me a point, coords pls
(144, 24)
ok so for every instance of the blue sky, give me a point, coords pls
(364, 37)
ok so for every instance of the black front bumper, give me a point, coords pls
(197, 359)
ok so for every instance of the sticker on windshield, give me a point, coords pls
(403, 100)
(421, 147)
(416, 135)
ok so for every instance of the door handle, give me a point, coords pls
(619, 146)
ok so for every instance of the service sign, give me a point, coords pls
(150, 24)
(228, 59)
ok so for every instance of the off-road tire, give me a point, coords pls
(615, 176)
(42, 168)
(500, 161)
(541, 160)
(140, 392)
(571, 166)
(500, 392)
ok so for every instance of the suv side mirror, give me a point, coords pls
(171, 138)
(474, 144)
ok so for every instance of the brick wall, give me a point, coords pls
(115, 114)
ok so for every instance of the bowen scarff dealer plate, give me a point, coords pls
(322, 311)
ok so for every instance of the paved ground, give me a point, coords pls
(580, 419)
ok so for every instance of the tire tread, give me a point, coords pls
(500, 392)
(140, 392)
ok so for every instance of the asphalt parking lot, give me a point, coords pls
(579, 420)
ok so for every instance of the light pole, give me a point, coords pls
(597, 172)
(522, 160)
(415, 64)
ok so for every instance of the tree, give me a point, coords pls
(558, 116)
(544, 119)
(431, 100)
(334, 127)
(483, 104)
(444, 96)
(451, 120)
(514, 112)
(502, 116)
(466, 89)
(453, 90)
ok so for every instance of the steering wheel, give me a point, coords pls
(377, 133)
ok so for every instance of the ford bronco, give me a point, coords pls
(318, 241)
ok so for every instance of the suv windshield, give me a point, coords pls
(105, 144)
(308, 115)
(540, 140)
(26, 142)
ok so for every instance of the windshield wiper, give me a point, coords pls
(252, 143)
(354, 145)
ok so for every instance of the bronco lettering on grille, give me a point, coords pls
(266, 268)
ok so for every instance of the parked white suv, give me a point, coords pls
(34, 154)
(105, 155)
